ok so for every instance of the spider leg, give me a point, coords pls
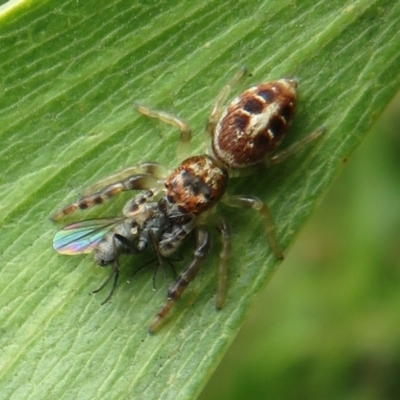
(225, 234)
(141, 181)
(295, 147)
(220, 100)
(185, 131)
(135, 207)
(175, 292)
(147, 168)
(256, 204)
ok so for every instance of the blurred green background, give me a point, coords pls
(328, 324)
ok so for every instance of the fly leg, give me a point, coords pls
(127, 246)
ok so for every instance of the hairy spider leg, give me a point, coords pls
(282, 155)
(202, 249)
(183, 148)
(147, 168)
(256, 204)
(215, 113)
(224, 255)
(144, 181)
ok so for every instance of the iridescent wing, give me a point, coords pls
(84, 236)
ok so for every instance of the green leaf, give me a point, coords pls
(70, 73)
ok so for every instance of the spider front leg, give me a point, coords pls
(150, 178)
(185, 132)
(256, 204)
(175, 292)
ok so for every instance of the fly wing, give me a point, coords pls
(84, 236)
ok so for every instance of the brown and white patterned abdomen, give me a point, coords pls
(254, 123)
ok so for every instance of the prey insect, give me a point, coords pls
(138, 230)
(178, 203)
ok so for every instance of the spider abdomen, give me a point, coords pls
(254, 123)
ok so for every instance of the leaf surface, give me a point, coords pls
(70, 73)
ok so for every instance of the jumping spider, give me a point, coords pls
(175, 203)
